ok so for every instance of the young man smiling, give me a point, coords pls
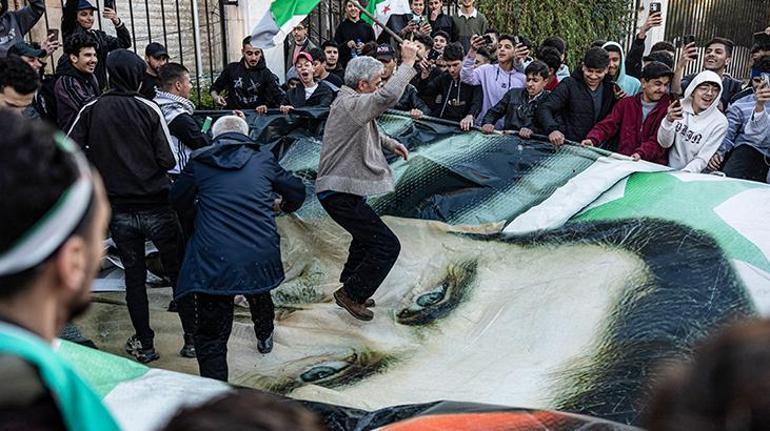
(694, 127)
(77, 83)
(719, 53)
(635, 120)
(580, 101)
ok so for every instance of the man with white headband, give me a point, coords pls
(54, 214)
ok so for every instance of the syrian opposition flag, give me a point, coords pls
(383, 9)
(279, 20)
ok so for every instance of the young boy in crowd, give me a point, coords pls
(552, 59)
(440, 41)
(449, 97)
(694, 126)
(410, 101)
(321, 73)
(625, 86)
(743, 155)
(635, 120)
(519, 105)
(495, 79)
(310, 93)
(580, 101)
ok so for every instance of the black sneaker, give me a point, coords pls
(188, 350)
(135, 349)
(265, 346)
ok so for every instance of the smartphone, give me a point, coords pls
(109, 4)
(760, 39)
(655, 7)
(487, 39)
(53, 34)
(766, 79)
(416, 19)
(516, 40)
(688, 39)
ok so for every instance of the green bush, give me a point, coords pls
(203, 100)
(578, 22)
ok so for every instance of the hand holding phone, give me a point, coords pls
(675, 111)
(53, 34)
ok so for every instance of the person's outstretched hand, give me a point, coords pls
(409, 52)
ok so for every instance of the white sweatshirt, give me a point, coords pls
(696, 137)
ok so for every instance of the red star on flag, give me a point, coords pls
(386, 9)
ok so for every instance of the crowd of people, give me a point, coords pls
(207, 197)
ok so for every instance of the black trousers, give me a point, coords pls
(214, 323)
(747, 163)
(374, 248)
(130, 230)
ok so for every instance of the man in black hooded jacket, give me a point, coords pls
(126, 138)
(247, 84)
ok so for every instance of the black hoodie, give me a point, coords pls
(126, 138)
(248, 88)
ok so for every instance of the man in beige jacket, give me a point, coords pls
(353, 166)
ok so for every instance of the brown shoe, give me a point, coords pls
(354, 308)
(369, 303)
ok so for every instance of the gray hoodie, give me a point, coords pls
(15, 24)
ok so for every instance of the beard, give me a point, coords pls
(80, 303)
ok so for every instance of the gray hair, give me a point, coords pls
(228, 124)
(362, 68)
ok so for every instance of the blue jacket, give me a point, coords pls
(738, 116)
(235, 248)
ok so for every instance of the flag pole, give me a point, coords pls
(374, 19)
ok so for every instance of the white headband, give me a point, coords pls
(56, 226)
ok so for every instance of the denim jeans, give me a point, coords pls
(374, 248)
(214, 323)
(130, 230)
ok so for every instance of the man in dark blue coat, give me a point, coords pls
(235, 247)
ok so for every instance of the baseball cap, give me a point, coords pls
(385, 51)
(22, 48)
(156, 50)
(305, 55)
(85, 4)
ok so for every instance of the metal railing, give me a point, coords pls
(705, 19)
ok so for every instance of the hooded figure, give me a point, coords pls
(697, 136)
(15, 24)
(628, 84)
(248, 88)
(235, 248)
(126, 138)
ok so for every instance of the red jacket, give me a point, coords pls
(635, 137)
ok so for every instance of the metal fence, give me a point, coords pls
(736, 20)
(193, 32)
